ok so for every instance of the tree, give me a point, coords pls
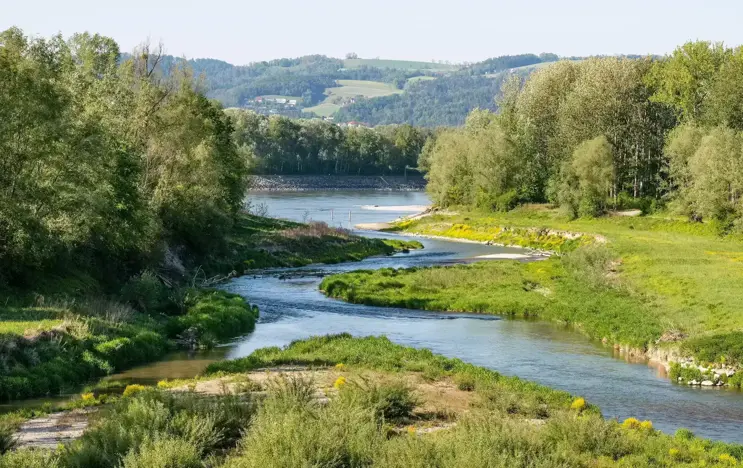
(684, 79)
(589, 177)
(716, 170)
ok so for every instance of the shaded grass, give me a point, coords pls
(687, 276)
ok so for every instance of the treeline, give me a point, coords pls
(305, 77)
(104, 162)
(505, 62)
(605, 133)
(280, 145)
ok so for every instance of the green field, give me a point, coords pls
(324, 109)
(669, 282)
(416, 79)
(398, 64)
(350, 89)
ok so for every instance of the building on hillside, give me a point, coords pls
(280, 100)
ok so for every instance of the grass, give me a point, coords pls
(683, 277)
(508, 422)
(70, 341)
(398, 64)
(87, 342)
(350, 89)
(324, 109)
(264, 243)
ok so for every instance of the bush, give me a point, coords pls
(164, 453)
(7, 437)
(28, 458)
(590, 263)
(390, 401)
(207, 425)
(146, 293)
(215, 315)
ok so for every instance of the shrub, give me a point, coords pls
(465, 382)
(215, 315)
(164, 453)
(7, 437)
(131, 390)
(389, 401)
(28, 458)
(146, 293)
(684, 434)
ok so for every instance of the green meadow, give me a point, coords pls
(649, 281)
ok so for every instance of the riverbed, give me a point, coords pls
(293, 308)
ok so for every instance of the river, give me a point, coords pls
(542, 352)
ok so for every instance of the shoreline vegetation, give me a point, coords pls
(71, 336)
(652, 286)
(343, 401)
(308, 183)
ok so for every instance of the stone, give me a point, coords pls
(707, 383)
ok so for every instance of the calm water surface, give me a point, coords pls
(542, 352)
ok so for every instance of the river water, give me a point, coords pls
(542, 352)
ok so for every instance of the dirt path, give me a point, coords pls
(53, 429)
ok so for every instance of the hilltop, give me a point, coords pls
(374, 91)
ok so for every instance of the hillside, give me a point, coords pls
(373, 91)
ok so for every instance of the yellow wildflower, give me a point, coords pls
(340, 366)
(339, 382)
(728, 459)
(133, 389)
(87, 397)
(647, 425)
(631, 423)
(579, 404)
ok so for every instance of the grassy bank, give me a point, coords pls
(73, 343)
(387, 406)
(639, 281)
(258, 242)
(84, 332)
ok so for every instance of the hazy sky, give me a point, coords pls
(454, 30)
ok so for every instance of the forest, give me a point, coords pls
(605, 133)
(105, 162)
(280, 145)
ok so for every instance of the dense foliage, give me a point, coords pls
(103, 161)
(280, 145)
(428, 103)
(305, 77)
(605, 133)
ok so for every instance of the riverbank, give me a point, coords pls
(301, 183)
(370, 401)
(652, 286)
(74, 334)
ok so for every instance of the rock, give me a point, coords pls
(693, 382)
(707, 383)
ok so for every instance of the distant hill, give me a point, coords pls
(373, 91)
(398, 65)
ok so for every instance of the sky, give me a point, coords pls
(458, 31)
